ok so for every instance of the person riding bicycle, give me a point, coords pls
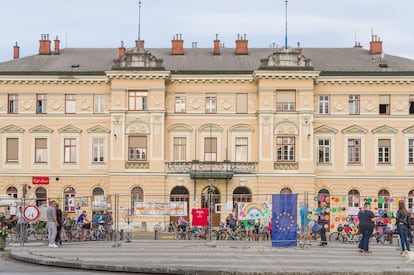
(83, 220)
(182, 223)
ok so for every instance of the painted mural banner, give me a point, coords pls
(253, 210)
(160, 208)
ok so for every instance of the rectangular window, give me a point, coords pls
(13, 104)
(411, 102)
(179, 149)
(323, 104)
(40, 150)
(98, 150)
(70, 150)
(12, 150)
(384, 151)
(285, 101)
(354, 151)
(210, 149)
(98, 104)
(411, 151)
(241, 104)
(353, 104)
(324, 151)
(137, 100)
(241, 149)
(137, 149)
(70, 104)
(180, 104)
(285, 149)
(41, 100)
(211, 104)
(384, 104)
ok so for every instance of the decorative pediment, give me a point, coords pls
(409, 130)
(137, 128)
(138, 59)
(354, 129)
(98, 129)
(286, 59)
(11, 129)
(210, 127)
(70, 129)
(40, 129)
(325, 129)
(384, 129)
(180, 127)
(241, 128)
(286, 128)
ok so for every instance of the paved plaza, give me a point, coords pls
(217, 257)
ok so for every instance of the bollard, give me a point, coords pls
(121, 235)
(156, 234)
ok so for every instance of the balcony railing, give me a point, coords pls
(188, 167)
(137, 165)
(286, 166)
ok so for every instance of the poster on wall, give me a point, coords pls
(160, 208)
(99, 203)
(253, 210)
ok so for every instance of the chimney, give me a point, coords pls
(57, 46)
(241, 45)
(216, 46)
(375, 46)
(16, 51)
(177, 45)
(44, 48)
(122, 50)
(141, 44)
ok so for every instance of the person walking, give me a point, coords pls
(21, 233)
(52, 224)
(403, 223)
(366, 226)
(59, 219)
(322, 222)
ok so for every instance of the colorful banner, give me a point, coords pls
(253, 210)
(284, 217)
(40, 180)
(161, 208)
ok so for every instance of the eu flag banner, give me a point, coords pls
(284, 219)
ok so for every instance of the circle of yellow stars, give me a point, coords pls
(290, 224)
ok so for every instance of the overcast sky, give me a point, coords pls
(104, 23)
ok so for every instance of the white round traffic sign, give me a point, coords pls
(31, 213)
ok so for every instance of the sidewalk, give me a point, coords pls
(217, 257)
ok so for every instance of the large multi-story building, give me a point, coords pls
(181, 123)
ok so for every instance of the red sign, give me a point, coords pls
(40, 180)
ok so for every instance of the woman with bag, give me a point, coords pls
(403, 218)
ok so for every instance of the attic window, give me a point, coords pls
(75, 65)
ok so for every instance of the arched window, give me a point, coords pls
(98, 200)
(383, 199)
(41, 196)
(242, 194)
(410, 200)
(353, 198)
(12, 191)
(215, 199)
(286, 190)
(324, 196)
(137, 195)
(69, 200)
(180, 193)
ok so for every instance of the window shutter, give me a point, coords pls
(285, 96)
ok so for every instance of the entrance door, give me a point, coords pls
(179, 193)
(215, 198)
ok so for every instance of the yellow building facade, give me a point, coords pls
(160, 125)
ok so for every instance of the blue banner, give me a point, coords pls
(284, 219)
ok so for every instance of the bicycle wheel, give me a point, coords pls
(39, 234)
(382, 238)
(190, 235)
(223, 235)
(264, 236)
(214, 234)
(336, 237)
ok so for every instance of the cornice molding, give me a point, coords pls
(52, 80)
(380, 80)
(138, 74)
(257, 75)
(194, 78)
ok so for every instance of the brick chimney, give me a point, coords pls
(141, 44)
(122, 50)
(216, 46)
(57, 46)
(177, 45)
(16, 51)
(375, 46)
(242, 45)
(44, 48)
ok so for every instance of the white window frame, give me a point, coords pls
(385, 166)
(98, 103)
(19, 163)
(41, 103)
(211, 104)
(180, 104)
(70, 104)
(101, 150)
(354, 105)
(12, 103)
(181, 158)
(318, 151)
(323, 104)
(212, 135)
(40, 165)
(70, 165)
(354, 166)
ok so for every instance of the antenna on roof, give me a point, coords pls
(286, 24)
(139, 24)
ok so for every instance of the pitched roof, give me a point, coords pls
(99, 60)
